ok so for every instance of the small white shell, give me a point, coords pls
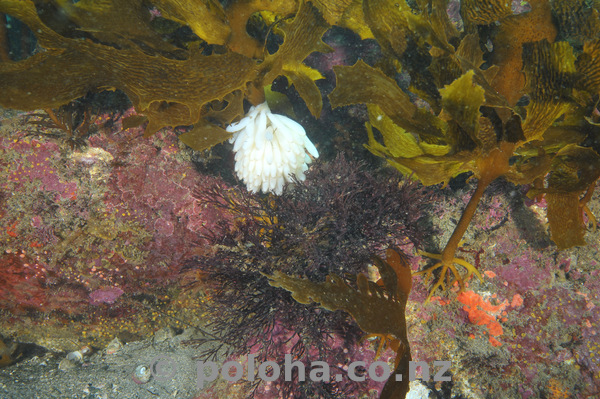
(114, 346)
(75, 356)
(85, 350)
(142, 374)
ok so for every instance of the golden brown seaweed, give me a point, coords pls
(169, 86)
(378, 307)
(473, 123)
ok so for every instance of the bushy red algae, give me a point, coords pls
(332, 223)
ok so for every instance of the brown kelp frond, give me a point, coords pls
(87, 46)
(571, 183)
(515, 108)
(168, 91)
(378, 307)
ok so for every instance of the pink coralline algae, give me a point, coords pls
(105, 295)
(27, 286)
(115, 217)
(22, 283)
(34, 165)
(532, 321)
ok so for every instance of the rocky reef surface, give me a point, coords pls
(94, 243)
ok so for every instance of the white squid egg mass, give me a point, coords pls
(269, 150)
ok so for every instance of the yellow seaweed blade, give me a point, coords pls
(565, 219)
(354, 19)
(574, 170)
(302, 37)
(588, 65)
(484, 12)
(362, 83)
(204, 136)
(303, 78)
(206, 18)
(398, 142)
(461, 100)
